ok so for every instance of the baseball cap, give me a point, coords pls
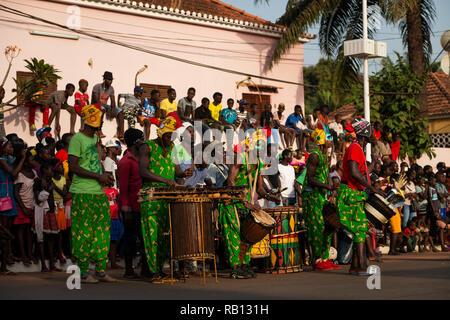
(242, 101)
(139, 89)
(42, 130)
(113, 144)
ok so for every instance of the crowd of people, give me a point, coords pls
(77, 197)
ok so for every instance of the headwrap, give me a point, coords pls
(255, 141)
(45, 132)
(319, 136)
(91, 115)
(168, 125)
(360, 126)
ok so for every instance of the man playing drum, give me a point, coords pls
(229, 214)
(315, 195)
(351, 195)
(157, 169)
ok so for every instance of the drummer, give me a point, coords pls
(314, 196)
(229, 215)
(157, 169)
(351, 196)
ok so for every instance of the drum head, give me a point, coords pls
(263, 218)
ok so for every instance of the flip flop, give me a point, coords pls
(8, 273)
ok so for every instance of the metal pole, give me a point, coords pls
(366, 77)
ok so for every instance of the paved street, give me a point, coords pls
(412, 276)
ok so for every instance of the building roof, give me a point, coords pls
(346, 112)
(212, 12)
(438, 95)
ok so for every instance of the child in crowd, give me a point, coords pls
(23, 192)
(81, 98)
(116, 226)
(410, 237)
(61, 191)
(45, 223)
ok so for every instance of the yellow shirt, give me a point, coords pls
(168, 107)
(60, 184)
(215, 110)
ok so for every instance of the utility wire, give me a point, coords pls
(23, 14)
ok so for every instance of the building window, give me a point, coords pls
(441, 140)
(254, 98)
(26, 76)
(149, 87)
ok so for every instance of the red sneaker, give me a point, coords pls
(332, 265)
(322, 266)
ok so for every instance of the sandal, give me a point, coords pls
(8, 273)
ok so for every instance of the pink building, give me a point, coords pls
(208, 32)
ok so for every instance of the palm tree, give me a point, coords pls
(43, 75)
(341, 20)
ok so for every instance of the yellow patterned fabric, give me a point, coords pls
(168, 125)
(91, 115)
(319, 136)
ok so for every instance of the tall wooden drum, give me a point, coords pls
(192, 228)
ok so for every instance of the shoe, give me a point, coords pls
(249, 270)
(33, 128)
(238, 273)
(444, 249)
(435, 249)
(332, 264)
(89, 279)
(322, 266)
(106, 278)
(427, 248)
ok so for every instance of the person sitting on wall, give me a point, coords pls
(101, 93)
(57, 101)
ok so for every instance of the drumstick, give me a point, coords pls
(254, 185)
(237, 217)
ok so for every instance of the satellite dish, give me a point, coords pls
(445, 64)
(445, 41)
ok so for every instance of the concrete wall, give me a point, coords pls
(230, 49)
(442, 155)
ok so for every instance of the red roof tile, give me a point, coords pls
(438, 94)
(210, 7)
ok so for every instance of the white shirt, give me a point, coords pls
(111, 166)
(409, 188)
(336, 127)
(287, 180)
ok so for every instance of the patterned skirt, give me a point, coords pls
(50, 223)
(350, 208)
(21, 218)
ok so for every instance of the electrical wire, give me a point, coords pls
(133, 47)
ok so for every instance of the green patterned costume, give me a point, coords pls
(228, 221)
(91, 223)
(155, 214)
(313, 202)
(350, 208)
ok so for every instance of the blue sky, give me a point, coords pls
(388, 34)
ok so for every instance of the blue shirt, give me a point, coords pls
(148, 111)
(230, 116)
(292, 120)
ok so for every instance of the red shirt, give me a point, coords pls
(408, 232)
(112, 198)
(130, 181)
(354, 153)
(377, 134)
(395, 148)
(81, 100)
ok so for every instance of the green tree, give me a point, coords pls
(341, 20)
(43, 75)
(327, 77)
(401, 112)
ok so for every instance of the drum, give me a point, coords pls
(285, 253)
(256, 226)
(287, 219)
(284, 245)
(261, 249)
(192, 228)
(379, 210)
